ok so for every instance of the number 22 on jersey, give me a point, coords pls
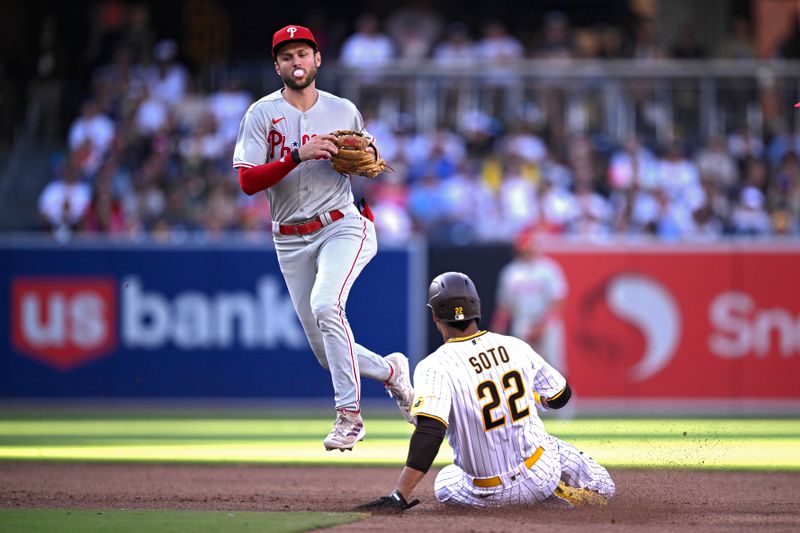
(512, 391)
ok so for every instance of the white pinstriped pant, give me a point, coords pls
(319, 270)
(561, 461)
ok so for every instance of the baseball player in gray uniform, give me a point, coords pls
(531, 291)
(483, 390)
(323, 241)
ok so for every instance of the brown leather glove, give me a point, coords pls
(357, 155)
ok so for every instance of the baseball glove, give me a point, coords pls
(354, 156)
(393, 503)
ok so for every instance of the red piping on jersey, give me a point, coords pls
(341, 317)
(253, 179)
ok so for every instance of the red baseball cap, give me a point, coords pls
(292, 32)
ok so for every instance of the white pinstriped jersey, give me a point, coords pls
(482, 388)
(272, 128)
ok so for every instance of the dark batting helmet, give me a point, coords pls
(452, 297)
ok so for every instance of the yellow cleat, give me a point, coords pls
(577, 496)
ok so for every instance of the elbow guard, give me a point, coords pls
(559, 400)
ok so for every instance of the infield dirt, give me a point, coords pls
(647, 500)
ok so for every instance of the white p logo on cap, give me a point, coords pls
(291, 30)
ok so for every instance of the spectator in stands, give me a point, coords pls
(586, 45)
(645, 44)
(415, 26)
(636, 210)
(368, 46)
(688, 45)
(385, 134)
(117, 85)
(64, 201)
(744, 144)
(424, 203)
(556, 40)
(479, 129)
(255, 216)
(611, 42)
(393, 222)
(783, 194)
(152, 114)
(634, 164)
(749, 216)
(783, 142)
(594, 213)
(192, 109)
(738, 43)
(105, 213)
(673, 219)
(678, 176)
(160, 157)
(229, 105)
(219, 214)
(523, 142)
(167, 78)
(469, 206)
(558, 207)
(203, 145)
(711, 216)
(716, 164)
(147, 201)
(457, 49)
(517, 198)
(91, 134)
(438, 154)
(498, 47)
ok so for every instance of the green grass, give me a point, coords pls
(758, 444)
(68, 521)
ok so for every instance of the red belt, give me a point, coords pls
(310, 226)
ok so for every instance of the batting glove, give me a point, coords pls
(393, 503)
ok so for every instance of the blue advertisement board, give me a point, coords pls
(113, 320)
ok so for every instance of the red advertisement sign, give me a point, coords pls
(702, 323)
(64, 321)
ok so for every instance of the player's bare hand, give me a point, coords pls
(318, 147)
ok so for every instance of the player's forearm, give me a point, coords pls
(261, 177)
(408, 481)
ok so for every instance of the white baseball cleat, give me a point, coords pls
(399, 385)
(347, 430)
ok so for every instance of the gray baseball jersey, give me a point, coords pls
(319, 268)
(272, 128)
(528, 289)
(482, 387)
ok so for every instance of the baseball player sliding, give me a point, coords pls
(482, 390)
(323, 241)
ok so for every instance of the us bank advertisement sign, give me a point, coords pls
(167, 322)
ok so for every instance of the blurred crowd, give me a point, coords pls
(150, 154)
